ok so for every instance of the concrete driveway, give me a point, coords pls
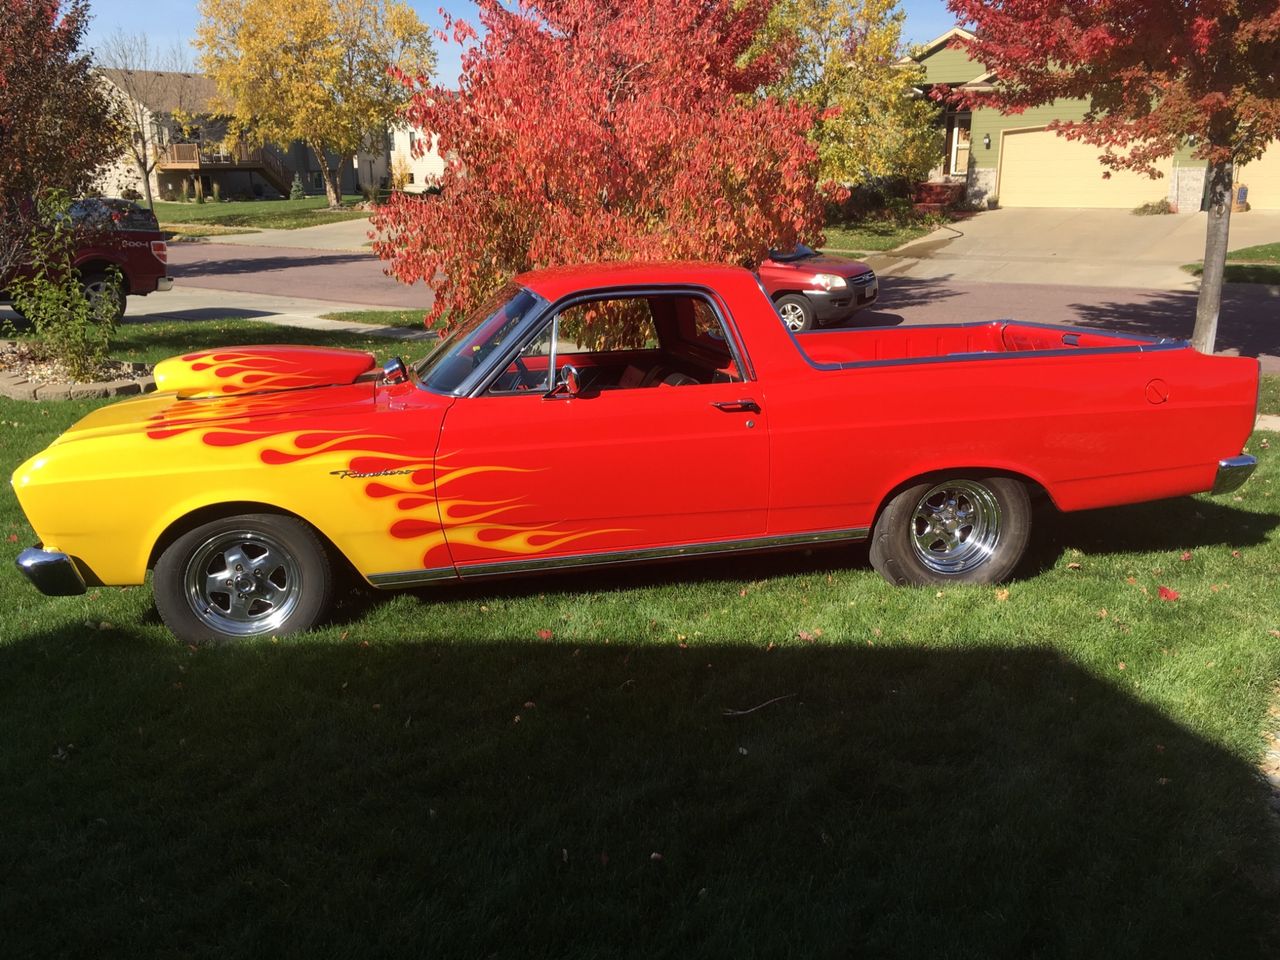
(1097, 248)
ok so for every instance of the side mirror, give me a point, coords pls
(568, 382)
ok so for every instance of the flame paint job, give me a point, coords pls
(400, 479)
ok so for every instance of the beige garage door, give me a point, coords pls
(1262, 177)
(1040, 169)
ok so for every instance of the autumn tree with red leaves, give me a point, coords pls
(601, 130)
(1157, 74)
(57, 128)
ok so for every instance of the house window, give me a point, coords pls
(411, 176)
(413, 140)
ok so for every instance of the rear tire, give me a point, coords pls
(99, 286)
(958, 529)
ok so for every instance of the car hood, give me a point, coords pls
(822, 263)
(238, 371)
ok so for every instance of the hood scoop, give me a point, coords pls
(235, 371)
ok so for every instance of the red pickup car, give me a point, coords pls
(120, 234)
(615, 414)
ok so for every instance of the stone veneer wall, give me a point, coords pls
(981, 185)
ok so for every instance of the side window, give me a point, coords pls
(530, 370)
(626, 343)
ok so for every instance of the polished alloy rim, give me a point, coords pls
(243, 583)
(793, 316)
(100, 293)
(955, 527)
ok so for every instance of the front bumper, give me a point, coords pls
(1233, 472)
(835, 306)
(53, 574)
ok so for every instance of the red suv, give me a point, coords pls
(122, 234)
(811, 289)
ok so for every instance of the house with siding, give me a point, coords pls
(1015, 160)
(195, 153)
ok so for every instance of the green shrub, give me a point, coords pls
(70, 325)
(1155, 209)
(297, 191)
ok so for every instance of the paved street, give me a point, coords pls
(346, 275)
(1100, 268)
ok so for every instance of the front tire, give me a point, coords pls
(243, 577)
(796, 312)
(959, 529)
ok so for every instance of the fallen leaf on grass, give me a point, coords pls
(1074, 566)
(1186, 555)
(1120, 665)
(545, 634)
(1168, 594)
(1002, 596)
(13, 538)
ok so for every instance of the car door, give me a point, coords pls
(631, 465)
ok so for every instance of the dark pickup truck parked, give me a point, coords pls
(122, 234)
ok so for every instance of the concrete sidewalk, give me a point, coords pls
(1094, 248)
(348, 236)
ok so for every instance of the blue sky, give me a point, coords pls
(175, 20)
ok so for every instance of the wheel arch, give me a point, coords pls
(1037, 489)
(101, 264)
(231, 508)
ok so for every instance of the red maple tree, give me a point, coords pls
(603, 129)
(1157, 74)
(57, 128)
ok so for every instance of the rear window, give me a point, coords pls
(104, 213)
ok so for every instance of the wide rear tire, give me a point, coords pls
(953, 529)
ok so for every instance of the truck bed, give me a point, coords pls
(841, 349)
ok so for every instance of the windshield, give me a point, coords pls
(801, 252)
(487, 329)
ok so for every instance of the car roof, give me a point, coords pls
(552, 283)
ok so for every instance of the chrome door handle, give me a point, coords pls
(745, 405)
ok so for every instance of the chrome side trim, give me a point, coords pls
(53, 574)
(410, 578)
(1232, 473)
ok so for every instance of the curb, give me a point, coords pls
(16, 387)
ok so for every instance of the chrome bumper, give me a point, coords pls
(164, 284)
(1232, 473)
(53, 574)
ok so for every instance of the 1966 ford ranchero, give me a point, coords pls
(614, 414)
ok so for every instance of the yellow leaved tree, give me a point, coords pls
(872, 125)
(316, 71)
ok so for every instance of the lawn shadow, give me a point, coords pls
(431, 798)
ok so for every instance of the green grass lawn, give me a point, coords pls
(1257, 264)
(874, 235)
(550, 768)
(1269, 400)
(386, 318)
(262, 214)
(153, 342)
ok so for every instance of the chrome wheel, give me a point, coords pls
(243, 583)
(793, 316)
(955, 527)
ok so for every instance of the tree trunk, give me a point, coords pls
(145, 167)
(1215, 257)
(331, 176)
